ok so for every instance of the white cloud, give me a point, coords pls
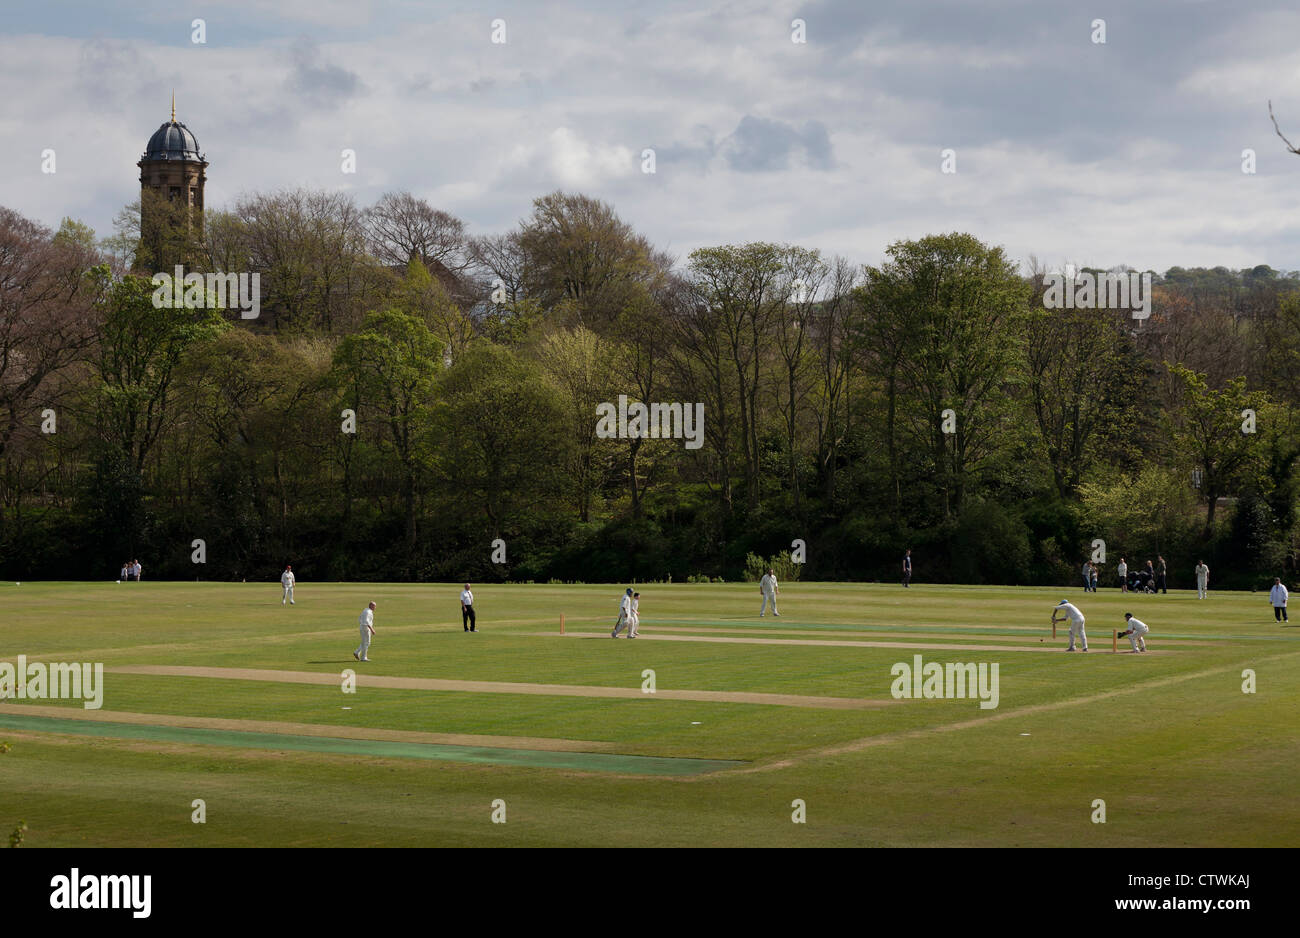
(1136, 161)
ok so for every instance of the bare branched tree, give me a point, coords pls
(403, 228)
(1289, 146)
(47, 318)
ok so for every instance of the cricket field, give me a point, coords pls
(228, 719)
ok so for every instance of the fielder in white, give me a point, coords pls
(1070, 611)
(624, 615)
(1202, 580)
(367, 620)
(769, 588)
(1135, 632)
(287, 580)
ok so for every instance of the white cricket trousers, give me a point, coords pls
(288, 594)
(1078, 630)
(365, 643)
(1138, 635)
(622, 621)
(1201, 587)
(768, 598)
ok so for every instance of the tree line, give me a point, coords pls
(415, 402)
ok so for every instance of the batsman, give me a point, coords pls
(1068, 610)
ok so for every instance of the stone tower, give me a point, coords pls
(172, 174)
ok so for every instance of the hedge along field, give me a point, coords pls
(254, 724)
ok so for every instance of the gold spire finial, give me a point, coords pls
(173, 105)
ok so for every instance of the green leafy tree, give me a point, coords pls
(953, 311)
(141, 343)
(577, 248)
(503, 437)
(786, 570)
(739, 291)
(577, 363)
(1209, 433)
(391, 368)
(1147, 510)
(1088, 390)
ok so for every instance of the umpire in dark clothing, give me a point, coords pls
(1161, 570)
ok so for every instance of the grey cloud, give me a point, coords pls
(322, 83)
(762, 145)
(110, 73)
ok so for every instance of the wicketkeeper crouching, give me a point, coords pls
(1135, 632)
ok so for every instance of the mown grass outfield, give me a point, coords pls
(211, 693)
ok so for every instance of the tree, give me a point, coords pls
(1209, 435)
(832, 323)
(309, 249)
(260, 403)
(1282, 350)
(578, 249)
(76, 235)
(226, 242)
(1278, 129)
(577, 363)
(501, 444)
(740, 291)
(392, 367)
(804, 272)
(403, 228)
(640, 364)
(423, 295)
(48, 314)
(1087, 388)
(1145, 510)
(956, 309)
(140, 346)
(503, 263)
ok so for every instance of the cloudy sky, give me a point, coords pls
(1127, 152)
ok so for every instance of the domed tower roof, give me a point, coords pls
(173, 141)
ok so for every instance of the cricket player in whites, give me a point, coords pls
(1202, 580)
(1068, 610)
(367, 621)
(636, 616)
(287, 580)
(769, 588)
(624, 615)
(1135, 632)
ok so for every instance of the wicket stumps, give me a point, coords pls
(561, 623)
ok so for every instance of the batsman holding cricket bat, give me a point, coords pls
(367, 631)
(1068, 610)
